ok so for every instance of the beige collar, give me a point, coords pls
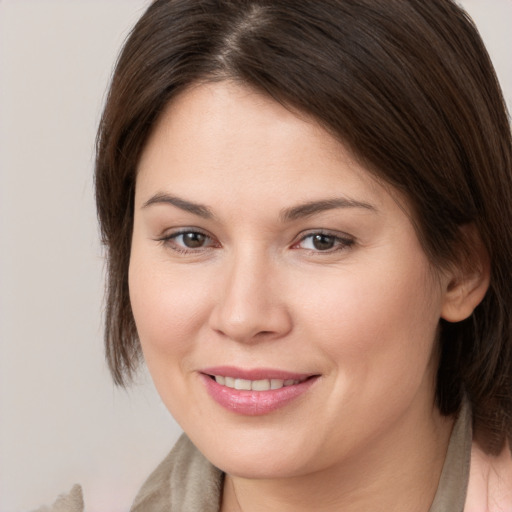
(453, 484)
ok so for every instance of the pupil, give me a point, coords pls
(194, 240)
(323, 242)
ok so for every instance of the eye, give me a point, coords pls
(186, 241)
(324, 242)
(191, 239)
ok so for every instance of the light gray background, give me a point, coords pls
(61, 419)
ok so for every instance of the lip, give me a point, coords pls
(255, 403)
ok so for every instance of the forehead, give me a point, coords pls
(226, 117)
(239, 152)
(216, 128)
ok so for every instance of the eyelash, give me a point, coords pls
(341, 243)
(169, 241)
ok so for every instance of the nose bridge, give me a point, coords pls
(249, 304)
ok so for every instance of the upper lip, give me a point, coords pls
(254, 373)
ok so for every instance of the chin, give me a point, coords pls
(257, 455)
(262, 467)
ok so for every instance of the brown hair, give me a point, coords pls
(407, 84)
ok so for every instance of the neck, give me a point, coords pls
(399, 472)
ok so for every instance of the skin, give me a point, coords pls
(258, 293)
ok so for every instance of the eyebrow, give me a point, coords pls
(288, 214)
(188, 206)
(314, 207)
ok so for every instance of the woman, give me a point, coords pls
(307, 211)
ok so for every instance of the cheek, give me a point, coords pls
(377, 325)
(169, 308)
(376, 328)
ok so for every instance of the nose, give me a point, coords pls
(250, 306)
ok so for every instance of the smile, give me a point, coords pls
(255, 385)
(255, 392)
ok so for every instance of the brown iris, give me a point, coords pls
(323, 242)
(193, 240)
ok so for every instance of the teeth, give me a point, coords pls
(260, 385)
(243, 384)
(276, 383)
(254, 385)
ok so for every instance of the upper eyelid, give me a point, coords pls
(342, 240)
(168, 241)
(166, 235)
(341, 236)
(328, 232)
(300, 236)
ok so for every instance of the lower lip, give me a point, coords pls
(255, 403)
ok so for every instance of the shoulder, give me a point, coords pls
(71, 502)
(184, 480)
(490, 481)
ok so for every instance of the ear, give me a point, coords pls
(469, 280)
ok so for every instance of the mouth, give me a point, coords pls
(255, 385)
(255, 392)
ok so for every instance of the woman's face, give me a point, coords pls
(264, 257)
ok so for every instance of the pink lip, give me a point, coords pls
(254, 403)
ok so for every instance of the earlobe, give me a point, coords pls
(468, 285)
